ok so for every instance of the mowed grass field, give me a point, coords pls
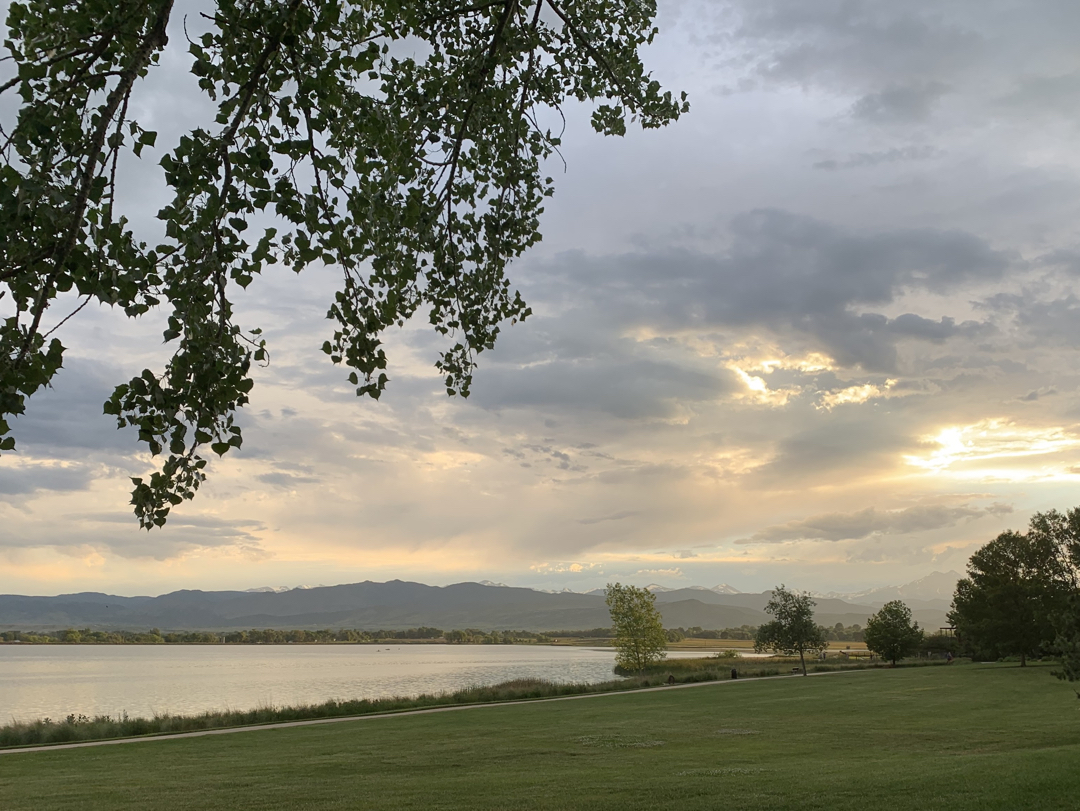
(957, 737)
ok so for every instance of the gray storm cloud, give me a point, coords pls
(20, 481)
(790, 274)
(871, 521)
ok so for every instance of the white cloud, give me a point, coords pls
(661, 572)
(565, 568)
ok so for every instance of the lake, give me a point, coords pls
(38, 681)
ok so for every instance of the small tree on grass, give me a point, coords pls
(793, 629)
(891, 634)
(640, 639)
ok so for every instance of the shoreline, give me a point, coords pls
(713, 646)
(377, 716)
(417, 706)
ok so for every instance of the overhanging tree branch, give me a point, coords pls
(427, 184)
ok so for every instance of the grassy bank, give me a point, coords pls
(83, 728)
(720, 666)
(965, 737)
(695, 643)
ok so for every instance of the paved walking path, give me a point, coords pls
(376, 716)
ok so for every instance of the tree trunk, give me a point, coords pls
(1023, 659)
(803, 660)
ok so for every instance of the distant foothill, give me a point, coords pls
(399, 605)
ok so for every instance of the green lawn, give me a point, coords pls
(959, 737)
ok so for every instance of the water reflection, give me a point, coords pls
(39, 681)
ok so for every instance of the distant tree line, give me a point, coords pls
(469, 636)
(591, 633)
(472, 636)
(268, 636)
(697, 632)
(87, 636)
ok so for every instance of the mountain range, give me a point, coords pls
(935, 586)
(398, 604)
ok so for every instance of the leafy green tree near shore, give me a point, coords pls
(398, 142)
(891, 634)
(793, 630)
(640, 639)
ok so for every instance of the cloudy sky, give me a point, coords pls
(822, 331)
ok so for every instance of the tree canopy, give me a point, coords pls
(402, 143)
(891, 634)
(1016, 586)
(640, 639)
(793, 629)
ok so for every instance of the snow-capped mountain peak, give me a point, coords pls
(724, 588)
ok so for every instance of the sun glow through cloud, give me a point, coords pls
(758, 391)
(963, 451)
(752, 373)
(855, 395)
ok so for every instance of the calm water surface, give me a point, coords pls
(38, 681)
